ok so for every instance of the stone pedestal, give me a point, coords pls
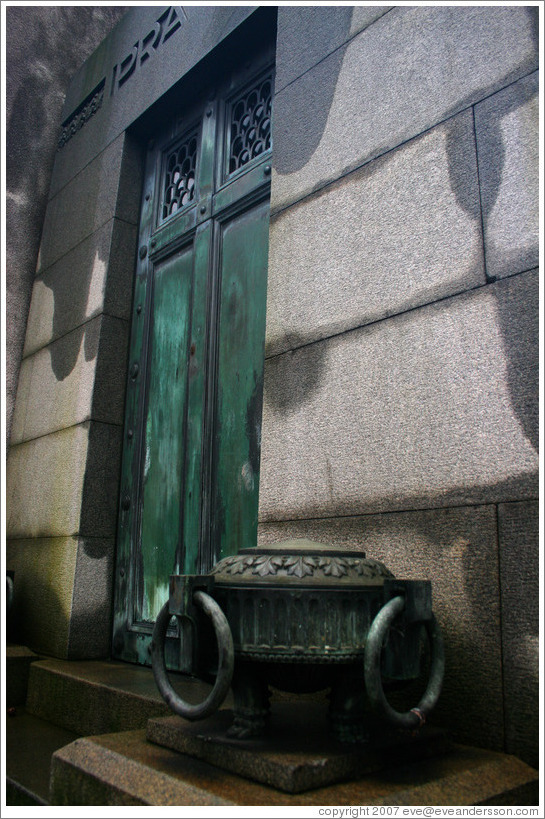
(125, 769)
(298, 753)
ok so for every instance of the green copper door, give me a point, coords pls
(190, 472)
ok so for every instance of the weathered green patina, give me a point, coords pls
(190, 471)
(163, 450)
(237, 432)
(302, 617)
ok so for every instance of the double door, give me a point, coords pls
(190, 470)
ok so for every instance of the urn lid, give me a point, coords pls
(300, 562)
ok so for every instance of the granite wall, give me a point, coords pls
(44, 48)
(401, 380)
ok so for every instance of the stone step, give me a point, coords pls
(30, 743)
(18, 661)
(125, 769)
(97, 697)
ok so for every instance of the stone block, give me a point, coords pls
(308, 34)
(17, 794)
(69, 292)
(87, 773)
(44, 568)
(44, 484)
(57, 384)
(108, 186)
(30, 743)
(98, 696)
(435, 407)
(65, 483)
(298, 754)
(22, 398)
(410, 70)
(363, 16)
(147, 78)
(124, 769)
(457, 550)
(17, 665)
(75, 378)
(111, 371)
(91, 613)
(519, 565)
(120, 274)
(507, 126)
(402, 231)
(94, 277)
(101, 482)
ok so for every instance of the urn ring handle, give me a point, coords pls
(226, 660)
(416, 717)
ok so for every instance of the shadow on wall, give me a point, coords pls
(522, 369)
(67, 304)
(295, 144)
(295, 386)
(303, 134)
(493, 155)
(293, 390)
(447, 409)
(46, 616)
(463, 566)
(105, 263)
(91, 615)
(45, 46)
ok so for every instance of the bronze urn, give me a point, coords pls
(302, 617)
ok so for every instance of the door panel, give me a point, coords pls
(237, 441)
(190, 473)
(192, 561)
(163, 439)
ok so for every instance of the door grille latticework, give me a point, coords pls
(179, 181)
(250, 124)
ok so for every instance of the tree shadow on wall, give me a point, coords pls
(519, 322)
(296, 377)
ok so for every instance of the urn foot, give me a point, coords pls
(348, 715)
(251, 705)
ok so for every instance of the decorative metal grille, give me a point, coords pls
(179, 182)
(250, 126)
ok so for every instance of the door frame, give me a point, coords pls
(155, 244)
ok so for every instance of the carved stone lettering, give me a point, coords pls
(143, 49)
(165, 26)
(127, 66)
(150, 41)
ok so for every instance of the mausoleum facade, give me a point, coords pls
(287, 287)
